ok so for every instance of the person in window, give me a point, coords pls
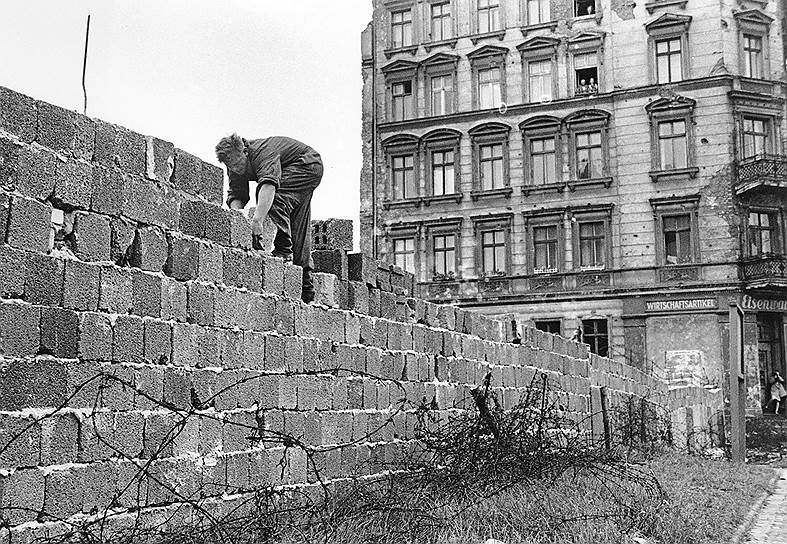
(286, 172)
(778, 391)
(592, 86)
(584, 168)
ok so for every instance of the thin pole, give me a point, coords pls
(84, 64)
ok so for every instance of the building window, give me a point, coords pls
(489, 92)
(402, 100)
(490, 158)
(590, 160)
(540, 80)
(752, 56)
(403, 178)
(537, 11)
(441, 22)
(673, 149)
(586, 73)
(595, 333)
(404, 254)
(669, 60)
(401, 28)
(762, 234)
(592, 244)
(756, 139)
(488, 15)
(543, 161)
(443, 173)
(552, 326)
(444, 256)
(584, 7)
(493, 252)
(442, 94)
(677, 239)
(545, 245)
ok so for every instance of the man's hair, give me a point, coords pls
(229, 145)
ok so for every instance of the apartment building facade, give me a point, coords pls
(601, 168)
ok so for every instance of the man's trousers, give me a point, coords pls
(291, 213)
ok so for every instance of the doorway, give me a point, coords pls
(770, 350)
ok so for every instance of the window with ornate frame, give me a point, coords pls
(488, 76)
(542, 152)
(668, 48)
(401, 83)
(758, 119)
(440, 82)
(591, 237)
(673, 151)
(545, 241)
(763, 232)
(677, 232)
(753, 38)
(493, 248)
(589, 149)
(586, 56)
(441, 157)
(443, 249)
(490, 155)
(539, 69)
(401, 152)
(756, 136)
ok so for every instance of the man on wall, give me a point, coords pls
(287, 172)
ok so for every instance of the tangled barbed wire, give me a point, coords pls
(399, 490)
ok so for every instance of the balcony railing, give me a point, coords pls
(762, 171)
(766, 268)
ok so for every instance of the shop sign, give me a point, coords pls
(763, 304)
(681, 305)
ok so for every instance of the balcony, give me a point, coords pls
(761, 172)
(764, 272)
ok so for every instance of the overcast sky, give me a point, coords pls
(191, 71)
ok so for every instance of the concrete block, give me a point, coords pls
(65, 131)
(293, 281)
(19, 329)
(128, 341)
(326, 289)
(148, 202)
(107, 190)
(119, 147)
(22, 496)
(146, 293)
(240, 230)
(159, 159)
(13, 263)
(273, 275)
(183, 260)
(32, 383)
(29, 225)
(59, 435)
(93, 237)
(200, 304)
(151, 249)
(374, 302)
(332, 234)
(388, 305)
(193, 218)
(362, 268)
(20, 441)
(173, 300)
(177, 389)
(35, 172)
(95, 337)
(64, 492)
(187, 173)
(59, 332)
(185, 345)
(18, 114)
(242, 269)
(211, 263)
(331, 261)
(81, 286)
(212, 183)
(44, 280)
(73, 184)
(158, 341)
(116, 295)
(122, 245)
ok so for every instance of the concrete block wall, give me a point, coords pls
(156, 339)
